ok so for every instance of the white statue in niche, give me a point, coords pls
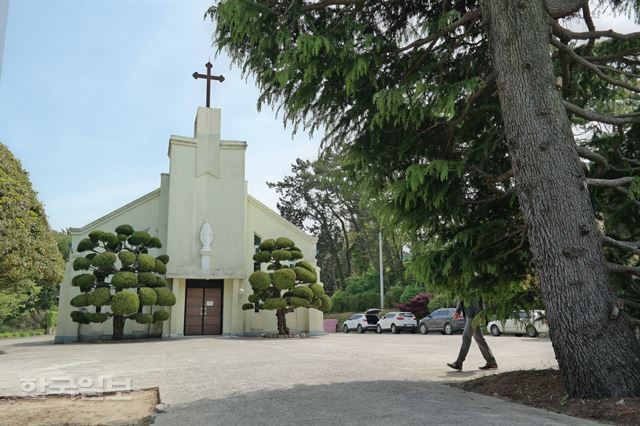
(206, 236)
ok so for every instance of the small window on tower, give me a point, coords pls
(257, 240)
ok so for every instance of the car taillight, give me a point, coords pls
(400, 318)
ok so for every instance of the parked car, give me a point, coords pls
(441, 320)
(362, 322)
(396, 322)
(521, 322)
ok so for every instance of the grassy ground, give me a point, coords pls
(21, 333)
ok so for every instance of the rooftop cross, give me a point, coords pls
(208, 77)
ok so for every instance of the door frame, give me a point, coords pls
(196, 283)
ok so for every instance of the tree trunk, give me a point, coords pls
(281, 315)
(598, 357)
(118, 327)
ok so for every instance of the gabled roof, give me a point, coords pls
(117, 212)
(276, 216)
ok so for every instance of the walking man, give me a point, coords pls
(469, 329)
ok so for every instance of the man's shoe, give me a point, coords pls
(489, 366)
(455, 366)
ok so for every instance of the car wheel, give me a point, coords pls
(495, 331)
(345, 328)
(360, 330)
(394, 329)
(448, 329)
(423, 329)
(379, 329)
(531, 331)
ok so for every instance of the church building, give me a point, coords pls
(210, 227)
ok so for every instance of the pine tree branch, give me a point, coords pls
(632, 270)
(620, 56)
(609, 183)
(602, 118)
(580, 60)
(471, 16)
(603, 164)
(308, 7)
(628, 195)
(561, 8)
(624, 245)
(561, 31)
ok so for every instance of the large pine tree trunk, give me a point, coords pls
(281, 315)
(118, 327)
(597, 356)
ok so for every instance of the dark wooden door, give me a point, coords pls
(203, 311)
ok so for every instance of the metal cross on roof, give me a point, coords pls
(208, 77)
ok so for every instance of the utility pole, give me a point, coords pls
(381, 271)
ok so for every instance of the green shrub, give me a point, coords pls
(84, 281)
(147, 296)
(154, 242)
(260, 280)
(306, 265)
(299, 302)
(146, 262)
(144, 318)
(296, 255)
(165, 297)
(100, 296)
(147, 279)
(160, 315)
(98, 317)
(124, 303)
(262, 257)
(111, 240)
(124, 229)
(80, 300)
(79, 317)
(283, 279)
(86, 244)
(247, 306)
(163, 258)
(254, 298)
(127, 258)
(160, 267)
(281, 255)
(284, 242)
(95, 235)
(274, 303)
(160, 282)
(317, 290)
(124, 279)
(326, 303)
(139, 237)
(303, 292)
(50, 319)
(81, 263)
(104, 261)
(267, 245)
(410, 292)
(305, 275)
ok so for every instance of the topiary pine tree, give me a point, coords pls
(286, 286)
(115, 263)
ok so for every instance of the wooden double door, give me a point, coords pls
(203, 307)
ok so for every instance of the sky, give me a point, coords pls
(91, 91)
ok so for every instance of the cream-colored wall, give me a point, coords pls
(199, 191)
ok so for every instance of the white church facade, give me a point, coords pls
(209, 226)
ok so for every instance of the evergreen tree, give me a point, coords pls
(286, 286)
(410, 89)
(115, 264)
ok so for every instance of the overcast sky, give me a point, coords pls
(92, 90)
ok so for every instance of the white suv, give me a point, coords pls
(396, 322)
(362, 322)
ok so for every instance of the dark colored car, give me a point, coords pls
(441, 320)
(362, 322)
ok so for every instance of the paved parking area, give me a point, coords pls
(335, 379)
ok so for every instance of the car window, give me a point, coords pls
(356, 316)
(523, 315)
(407, 314)
(389, 316)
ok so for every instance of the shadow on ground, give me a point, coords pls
(360, 403)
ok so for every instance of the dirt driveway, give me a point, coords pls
(225, 374)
